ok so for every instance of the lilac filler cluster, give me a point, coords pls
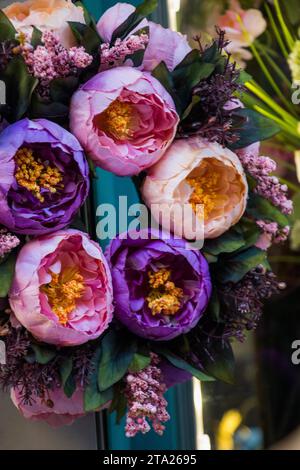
(273, 232)
(268, 186)
(116, 55)
(51, 60)
(7, 242)
(242, 303)
(144, 392)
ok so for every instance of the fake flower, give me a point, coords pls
(46, 15)
(242, 27)
(268, 186)
(124, 119)
(43, 177)
(196, 172)
(145, 397)
(55, 409)
(161, 287)
(164, 45)
(52, 60)
(61, 291)
(7, 242)
(114, 56)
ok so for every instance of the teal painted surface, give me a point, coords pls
(179, 433)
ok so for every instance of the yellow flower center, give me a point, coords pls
(63, 292)
(118, 120)
(205, 188)
(164, 297)
(33, 175)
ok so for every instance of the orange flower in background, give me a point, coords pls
(46, 15)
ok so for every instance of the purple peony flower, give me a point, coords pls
(161, 287)
(43, 177)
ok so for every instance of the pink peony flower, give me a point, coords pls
(124, 119)
(164, 44)
(62, 291)
(196, 172)
(242, 27)
(46, 16)
(57, 409)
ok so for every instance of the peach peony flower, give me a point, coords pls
(124, 119)
(242, 27)
(62, 289)
(46, 15)
(197, 172)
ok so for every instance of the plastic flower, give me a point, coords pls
(242, 27)
(61, 291)
(56, 409)
(294, 62)
(124, 119)
(196, 172)
(46, 16)
(164, 44)
(43, 177)
(161, 287)
(8, 242)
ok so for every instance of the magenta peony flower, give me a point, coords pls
(161, 287)
(124, 119)
(164, 44)
(44, 177)
(62, 290)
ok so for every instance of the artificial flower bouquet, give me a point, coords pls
(86, 330)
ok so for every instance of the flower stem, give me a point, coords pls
(287, 35)
(276, 31)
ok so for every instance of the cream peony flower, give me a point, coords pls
(196, 172)
(46, 15)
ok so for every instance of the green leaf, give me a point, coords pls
(43, 355)
(143, 10)
(139, 362)
(66, 370)
(67, 380)
(229, 242)
(53, 111)
(164, 76)
(244, 77)
(88, 19)
(119, 403)
(233, 269)
(62, 89)
(220, 363)
(261, 208)
(147, 7)
(19, 87)
(214, 307)
(7, 269)
(241, 236)
(117, 354)
(7, 29)
(36, 37)
(92, 396)
(252, 127)
(93, 400)
(182, 364)
(86, 36)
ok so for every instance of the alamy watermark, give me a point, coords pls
(2, 353)
(2, 93)
(296, 92)
(179, 221)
